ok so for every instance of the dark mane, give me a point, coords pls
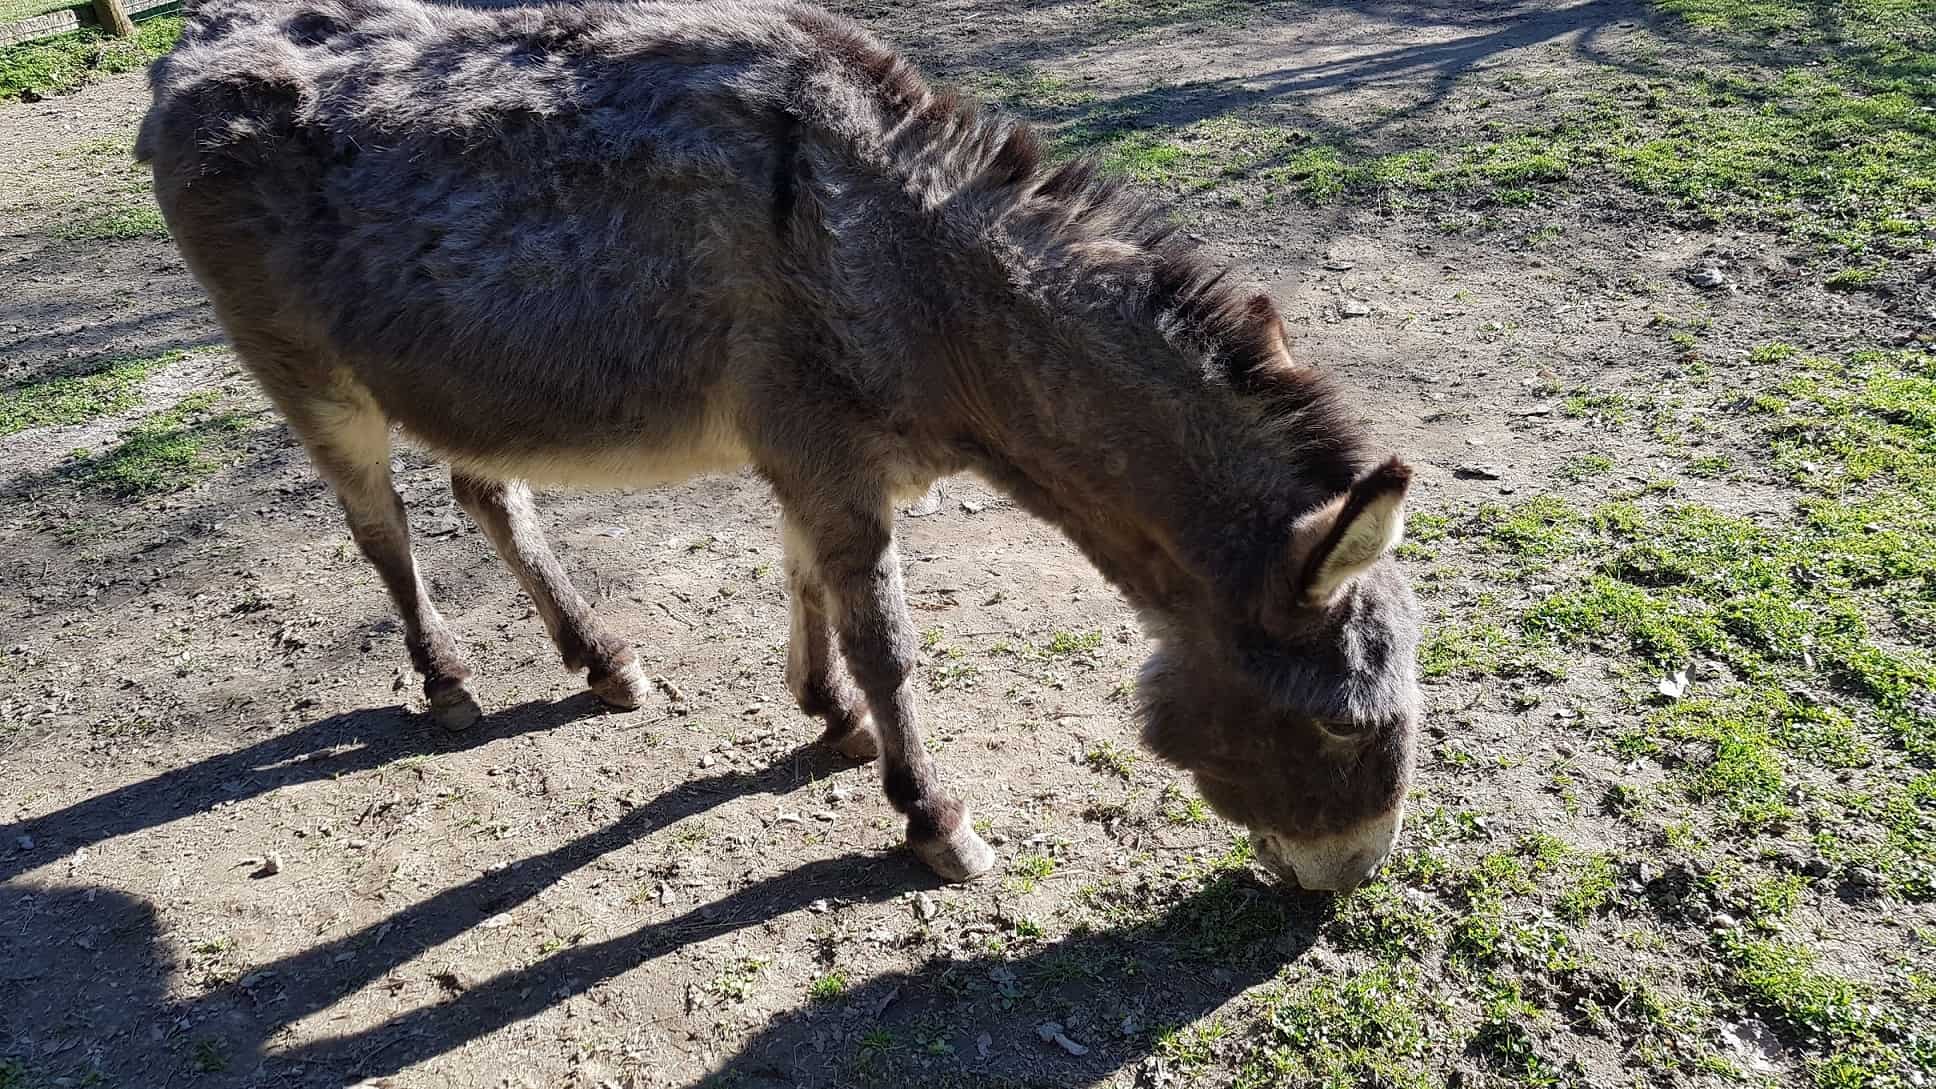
(949, 141)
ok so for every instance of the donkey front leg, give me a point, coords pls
(813, 670)
(856, 564)
(503, 510)
(350, 445)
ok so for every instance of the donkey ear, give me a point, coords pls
(1343, 538)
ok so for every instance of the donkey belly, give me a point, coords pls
(706, 446)
(544, 430)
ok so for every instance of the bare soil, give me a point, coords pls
(196, 683)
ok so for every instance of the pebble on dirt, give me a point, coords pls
(1708, 278)
(1051, 1033)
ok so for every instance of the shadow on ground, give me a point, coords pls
(88, 977)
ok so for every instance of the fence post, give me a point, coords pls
(114, 18)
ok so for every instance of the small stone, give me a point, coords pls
(708, 760)
(270, 867)
(1708, 278)
(970, 506)
(1754, 1043)
(925, 907)
(496, 922)
(1337, 265)
(984, 1043)
(1864, 881)
(1354, 308)
(1052, 1033)
(26, 843)
(1478, 472)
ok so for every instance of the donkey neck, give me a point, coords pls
(1162, 477)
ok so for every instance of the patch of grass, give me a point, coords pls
(1032, 869)
(1193, 1047)
(1842, 153)
(736, 981)
(63, 64)
(1191, 158)
(1031, 90)
(1181, 808)
(108, 387)
(1504, 1039)
(1108, 758)
(1853, 1039)
(165, 452)
(210, 1057)
(1585, 467)
(1366, 1028)
(1712, 465)
(1379, 919)
(1468, 651)
(1589, 889)
(827, 988)
(1072, 644)
(114, 223)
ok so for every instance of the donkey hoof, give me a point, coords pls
(958, 857)
(624, 687)
(454, 708)
(858, 744)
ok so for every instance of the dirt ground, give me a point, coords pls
(203, 682)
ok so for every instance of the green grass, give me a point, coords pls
(98, 222)
(16, 10)
(1109, 758)
(1859, 1041)
(1363, 1028)
(1585, 467)
(827, 988)
(1841, 153)
(1827, 602)
(63, 64)
(163, 453)
(109, 387)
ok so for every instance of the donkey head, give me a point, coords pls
(1296, 711)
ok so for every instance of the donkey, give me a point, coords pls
(618, 243)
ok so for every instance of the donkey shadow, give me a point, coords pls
(330, 747)
(91, 983)
(87, 980)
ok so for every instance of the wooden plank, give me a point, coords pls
(114, 18)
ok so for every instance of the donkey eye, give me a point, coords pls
(1344, 729)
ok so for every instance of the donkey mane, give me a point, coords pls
(1108, 229)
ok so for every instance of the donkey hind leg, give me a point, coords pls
(503, 510)
(814, 673)
(856, 564)
(350, 444)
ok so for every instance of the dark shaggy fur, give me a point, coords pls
(607, 243)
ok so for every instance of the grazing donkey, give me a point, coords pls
(613, 243)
